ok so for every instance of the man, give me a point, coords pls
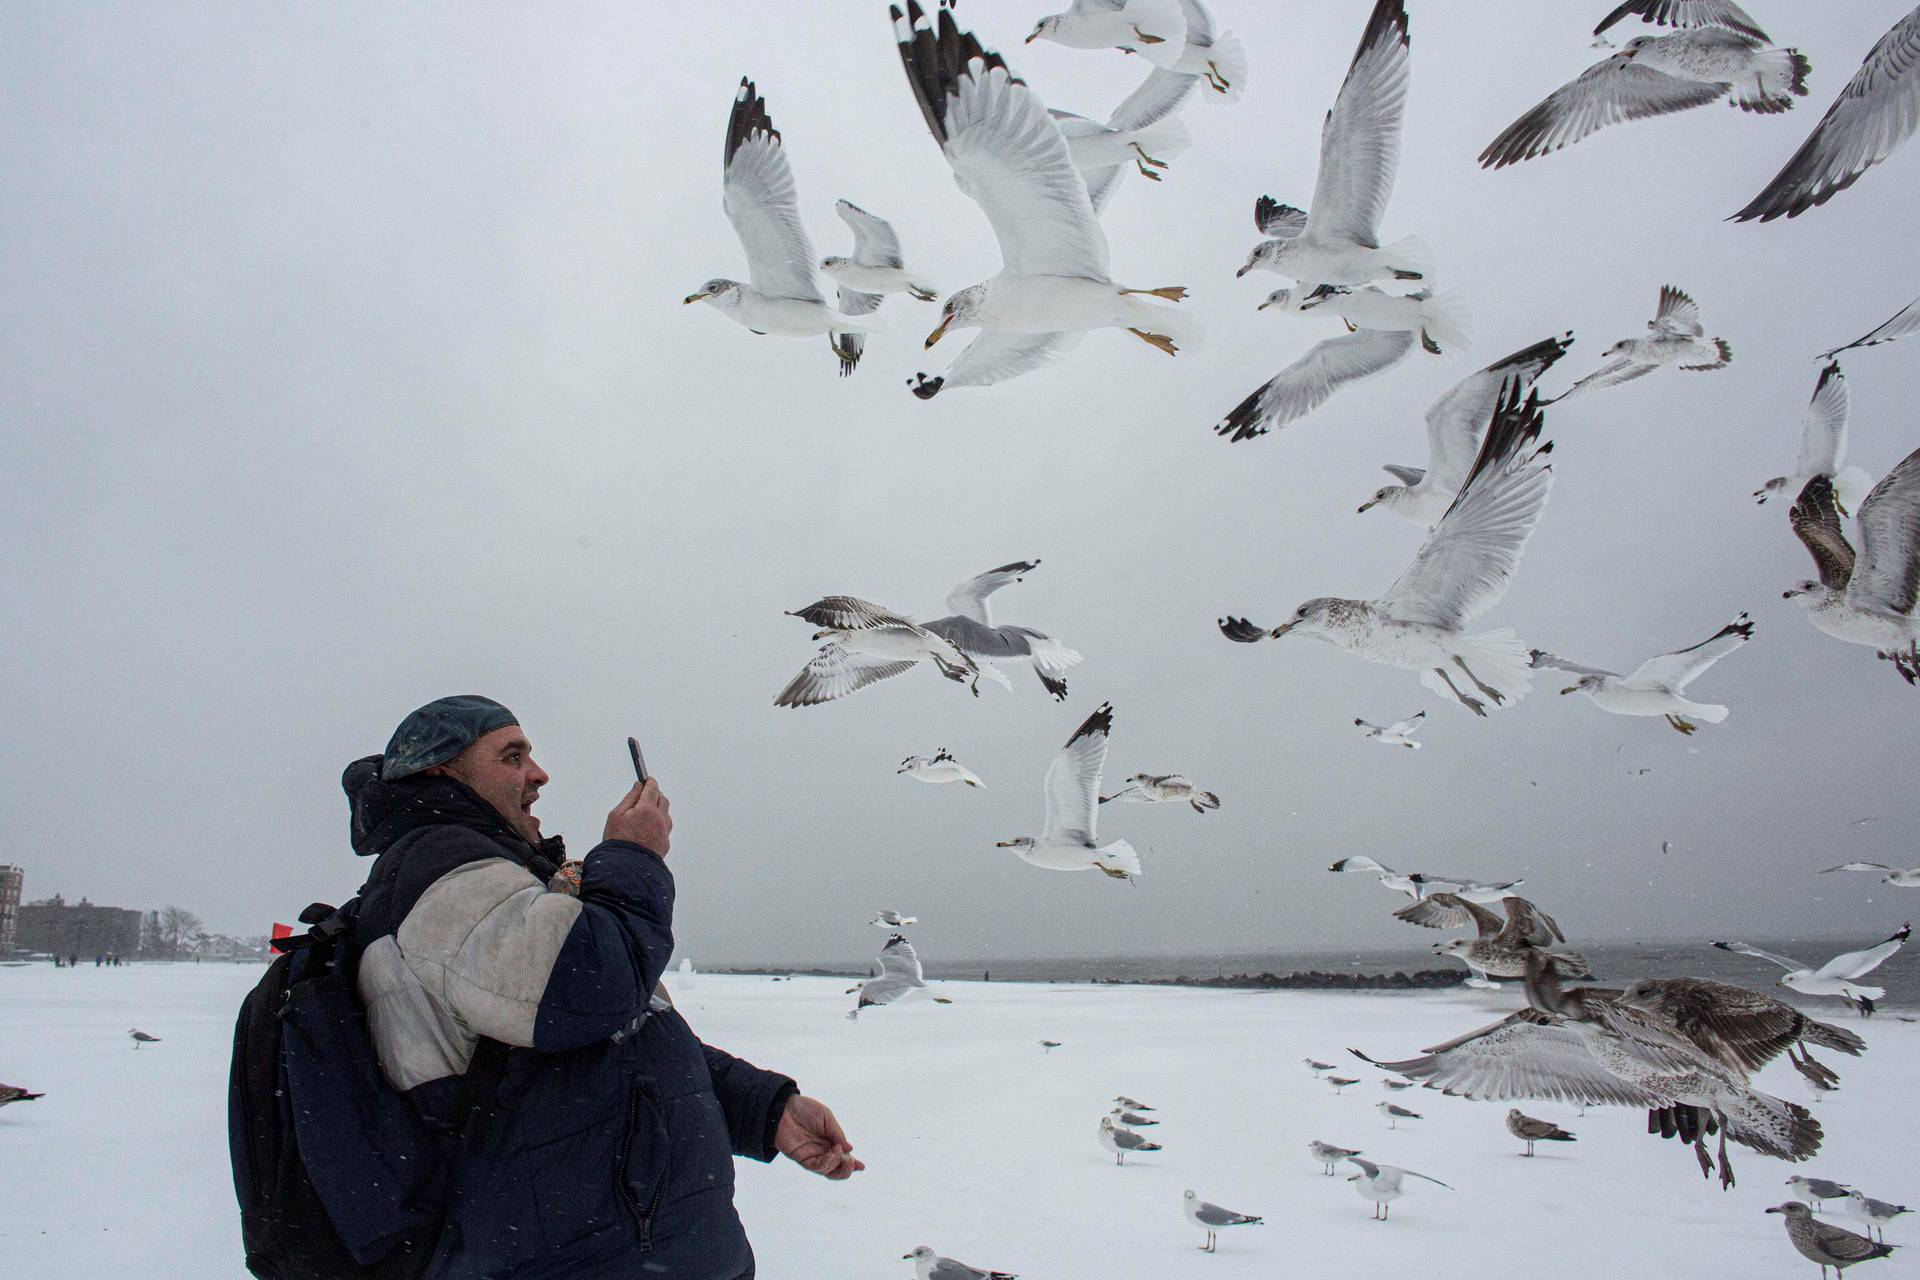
(599, 1141)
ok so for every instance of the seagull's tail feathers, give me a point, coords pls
(1204, 800)
(1495, 661)
(1120, 857)
(1828, 1036)
(1408, 259)
(1227, 60)
(1771, 1125)
(1851, 486)
(1712, 713)
(844, 323)
(1446, 323)
(1782, 77)
(1854, 991)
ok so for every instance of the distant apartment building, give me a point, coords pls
(11, 880)
(76, 928)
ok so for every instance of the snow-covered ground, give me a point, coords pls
(983, 1146)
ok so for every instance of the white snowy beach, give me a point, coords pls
(982, 1145)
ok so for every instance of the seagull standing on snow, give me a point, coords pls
(1873, 115)
(761, 202)
(1120, 1141)
(1825, 1243)
(1657, 686)
(875, 270)
(1327, 1155)
(1531, 1130)
(1162, 788)
(1155, 29)
(141, 1037)
(1456, 423)
(1461, 571)
(1132, 1119)
(1872, 1214)
(1359, 156)
(938, 768)
(928, 1265)
(1008, 156)
(867, 644)
(1675, 336)
(1398, 734)
(1823, 446)
(1419, 885)
(1899, 879)
(969, 627)
(1067, 841)
(1395, 1113)
(900, 979)
(1656, 76)
(1210, 1218)
(1383, 1183)
(1868, 600)
(1836, 976)
(1811, 1191)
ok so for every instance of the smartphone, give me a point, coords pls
(639, 761)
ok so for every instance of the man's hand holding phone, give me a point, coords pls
(642, 818)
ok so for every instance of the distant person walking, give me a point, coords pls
(607, 1148)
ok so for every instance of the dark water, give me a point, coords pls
(1613, 964)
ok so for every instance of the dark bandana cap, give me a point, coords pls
(441, 730)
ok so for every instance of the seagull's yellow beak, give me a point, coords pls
(1280, 630)
(692, 297)
(1032, 36)
(939, 333)
(1003, 844)
(1366, 506)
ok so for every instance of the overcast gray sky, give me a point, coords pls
(346, 367)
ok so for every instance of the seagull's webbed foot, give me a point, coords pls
(1146, 172)
(1726, 1167)
(1700, 1151)
(1111, 873)
(1215, 81)
(1682, 725)
(1146, 159)
(1160, 340)
(1499, 699)
(1474, 705)
(1144, 38)
(921, 295)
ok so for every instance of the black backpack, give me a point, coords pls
(337, 1175)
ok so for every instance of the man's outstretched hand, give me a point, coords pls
(810, 1137)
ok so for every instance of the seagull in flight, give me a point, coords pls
(900, 979)
(893, 920)
(780, 294)
(1501, 948)
(938, 768)
(1339, 240)
(1674, 336)
(1067, 841)
(875, 270)
(867, 644)
(1418, 885)
(1823, 446)
(1456, 423)
(1657, 687)
(1866, 599)
(1398, 734)
(1009, 157)
(1155, 29)
(1656, 76)
(1684, 15)
(1163, 788)
(1873, 115)
(1899, 879)
(1461, 571)
(1835, 977)
(969, 627)
(1904, 322)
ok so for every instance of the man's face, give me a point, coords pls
(500, 769)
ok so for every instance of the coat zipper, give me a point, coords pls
(643, 1218)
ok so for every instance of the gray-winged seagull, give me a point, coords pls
(1868, 599)
(1657, 687)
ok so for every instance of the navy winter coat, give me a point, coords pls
(607, 1148)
